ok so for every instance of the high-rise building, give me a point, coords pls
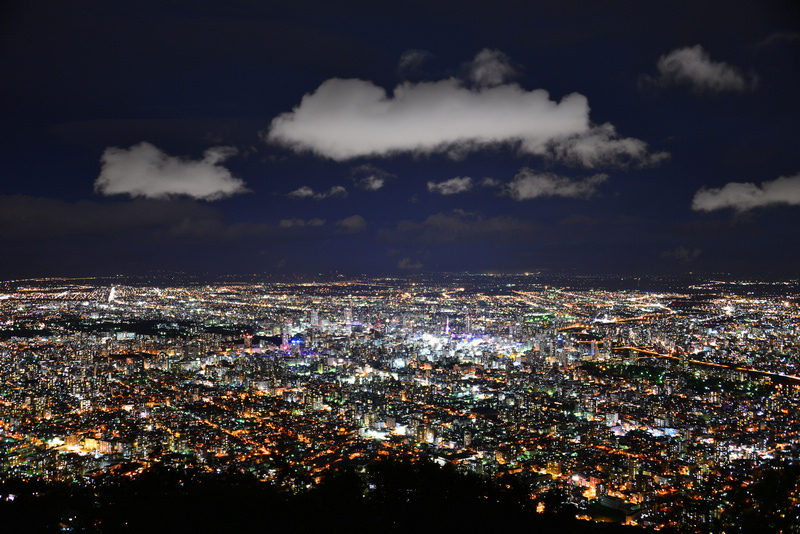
(285, 335)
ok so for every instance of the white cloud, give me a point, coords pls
(744, 196)
(370, 177)
(300, 223)
(345, 119)
(353, 224)
(490, 68)
(692, 66)
(302, 192)
(307, 192)
(406, 263)
(145, 171)
(528, 184)
(371, 182)
(490, 182)
(452, 186)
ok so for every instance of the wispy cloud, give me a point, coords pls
(602, 147)
(145, 171)
(744, 196)
(529, 184)
(307, 192)
(411, 61)
(693, 66)
(778, 37)
(452, 186)
(346, 119)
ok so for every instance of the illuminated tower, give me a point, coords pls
(284, 336)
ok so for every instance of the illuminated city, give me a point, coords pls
(444, 266)
(603, 401)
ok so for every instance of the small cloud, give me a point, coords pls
(145, 171)
(300, 223)
(744, 196)
(369, 177)
(352, 225)
(602, 147)
(491, 182)
(302, 192)
(692, 66)
(490, 68)
(529, 184)
(452, 186)
(307, 192)
(406, 263)
(335, 191)
(682, 254)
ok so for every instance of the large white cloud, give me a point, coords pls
(452, 186)
(345, 119)
(529, 184)
(744, 196)
(145, 171)
(693, 66)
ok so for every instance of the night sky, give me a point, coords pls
(322, 137)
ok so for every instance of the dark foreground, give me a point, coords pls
(395, 497)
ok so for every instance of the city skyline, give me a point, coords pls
(544, 401)
(429, 137)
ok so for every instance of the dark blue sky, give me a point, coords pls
(239, 137)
